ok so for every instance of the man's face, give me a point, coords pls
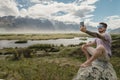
(101, 29)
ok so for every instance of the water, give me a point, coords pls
(65, 42)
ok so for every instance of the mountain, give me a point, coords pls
(115, 31)
(26, 24)
(10, 23)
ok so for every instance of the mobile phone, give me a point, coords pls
(81, 24)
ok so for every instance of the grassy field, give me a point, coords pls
(39, 36)
(37, 69)
(57, 66)
(55, 63)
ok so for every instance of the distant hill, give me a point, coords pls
(20, 24)
(116, 31)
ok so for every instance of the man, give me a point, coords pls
(102, 42)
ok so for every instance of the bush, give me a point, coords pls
(23, 52)
(45, 47)
(54, 49)
(40, 46)
(116, 45)
(61, 45)
(72, 52)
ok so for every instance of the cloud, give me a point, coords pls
(113, 21)
(83, 11)
(71, 12)
(40, 1)
(8, 7)
(88, 2)
(50, 9)
(23, 12)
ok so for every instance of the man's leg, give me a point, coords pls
(84, 49)
(98, 52)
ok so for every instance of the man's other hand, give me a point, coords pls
(83, 28)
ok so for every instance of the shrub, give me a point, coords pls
(73, 52)
(116, 45)
(45, 47)
(23, 52)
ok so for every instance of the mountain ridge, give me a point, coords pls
(26, 24)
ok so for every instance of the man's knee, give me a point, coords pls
(101, 47)
(83, 47)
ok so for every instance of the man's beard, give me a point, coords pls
(101, 31)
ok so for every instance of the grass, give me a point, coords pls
(38, 69)
(57, 66)
(60, 65)
(115, 60)
(116, 64)
(84, 38)
(39, 36)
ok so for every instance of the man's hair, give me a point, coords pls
(104, 24)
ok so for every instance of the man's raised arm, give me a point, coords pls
(94, 34)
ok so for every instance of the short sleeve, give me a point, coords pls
(94, 41)
(107, 37)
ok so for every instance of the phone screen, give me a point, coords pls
(81, 24)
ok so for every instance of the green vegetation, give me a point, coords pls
(41, 46)
(115, 60)
(39, 36)
(56, 66)
(83, 38)
(36, 69)
(48, 62)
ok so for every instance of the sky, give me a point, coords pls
(67, 11)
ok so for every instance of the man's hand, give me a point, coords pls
(83, 28)
(84, 46)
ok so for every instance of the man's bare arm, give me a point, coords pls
(91, 43)
(94, 34)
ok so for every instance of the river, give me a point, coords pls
(65, 42)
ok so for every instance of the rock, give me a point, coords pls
(100, 70)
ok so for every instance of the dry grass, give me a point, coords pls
(39, 36)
